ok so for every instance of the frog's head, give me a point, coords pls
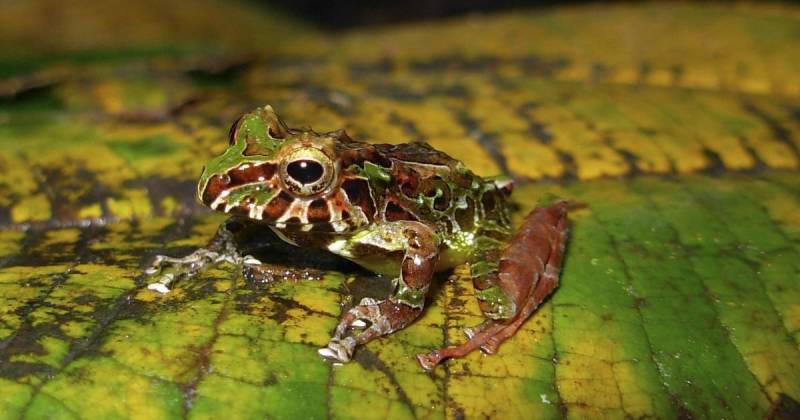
(282, 176)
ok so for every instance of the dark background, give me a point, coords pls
(339, 15)
(346, 14)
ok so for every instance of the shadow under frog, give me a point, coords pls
(281, 261)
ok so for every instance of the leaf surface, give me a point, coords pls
(679, 295)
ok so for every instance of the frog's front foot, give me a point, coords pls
(165, 270)
(369, 320)
(338, 351)
(222, 248)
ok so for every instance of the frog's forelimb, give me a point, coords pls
(374, 318)
(510, 292)
(222, 248)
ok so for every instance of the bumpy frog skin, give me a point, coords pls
(404, 211)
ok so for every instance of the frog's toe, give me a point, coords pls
(338, 350)
(251, 260)
(328, 354)
(469, 332)
(428, 361)
(158, 287)
(491, 345)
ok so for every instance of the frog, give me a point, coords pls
(404, 211)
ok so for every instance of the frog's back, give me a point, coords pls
(429, 186)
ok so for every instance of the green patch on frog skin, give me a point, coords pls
(485, 243)
(493, 226)
(428, 201)
(502, 308)
(373, 235)
(257, 127)
(409, 295)
(260, 194)
(476, 186)
(460, 245)
(482, 268)
(252, 128)
(375, 173)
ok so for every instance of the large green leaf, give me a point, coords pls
(676, 126)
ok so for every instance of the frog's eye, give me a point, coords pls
(307, 171)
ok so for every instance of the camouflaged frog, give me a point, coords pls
(404, 211)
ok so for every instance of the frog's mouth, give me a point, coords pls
(213, 186)
(280, 209)
(254, 191)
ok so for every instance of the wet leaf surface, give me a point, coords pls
(680, 290)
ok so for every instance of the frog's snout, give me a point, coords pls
(250, 182)
(214, 189)
(201, 185)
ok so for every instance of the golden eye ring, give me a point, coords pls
(307, 171)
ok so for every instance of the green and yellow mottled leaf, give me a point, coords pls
(676, 127)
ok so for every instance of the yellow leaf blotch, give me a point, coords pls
(355, 388)
(53, 351)
(92, 211)
(254, 325)
(636, 401)
(592, 158)
(134, 204)
(169, 205)
(772, 152)
(116, 391)
(432, 119)
(101, 280)
(13, 395)
(31, 208)
(538, 161)
(165, 347)
(583, 378)
(649, 155)
(700, 78)
(659, 77)
(375, 124)
(10, 242)
(467, 150)
(19, 276)
(499, 397)
(495, 117)
(220, 397)
(308, 328)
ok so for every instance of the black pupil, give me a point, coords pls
(305, 171)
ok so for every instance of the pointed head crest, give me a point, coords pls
(274, 173)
